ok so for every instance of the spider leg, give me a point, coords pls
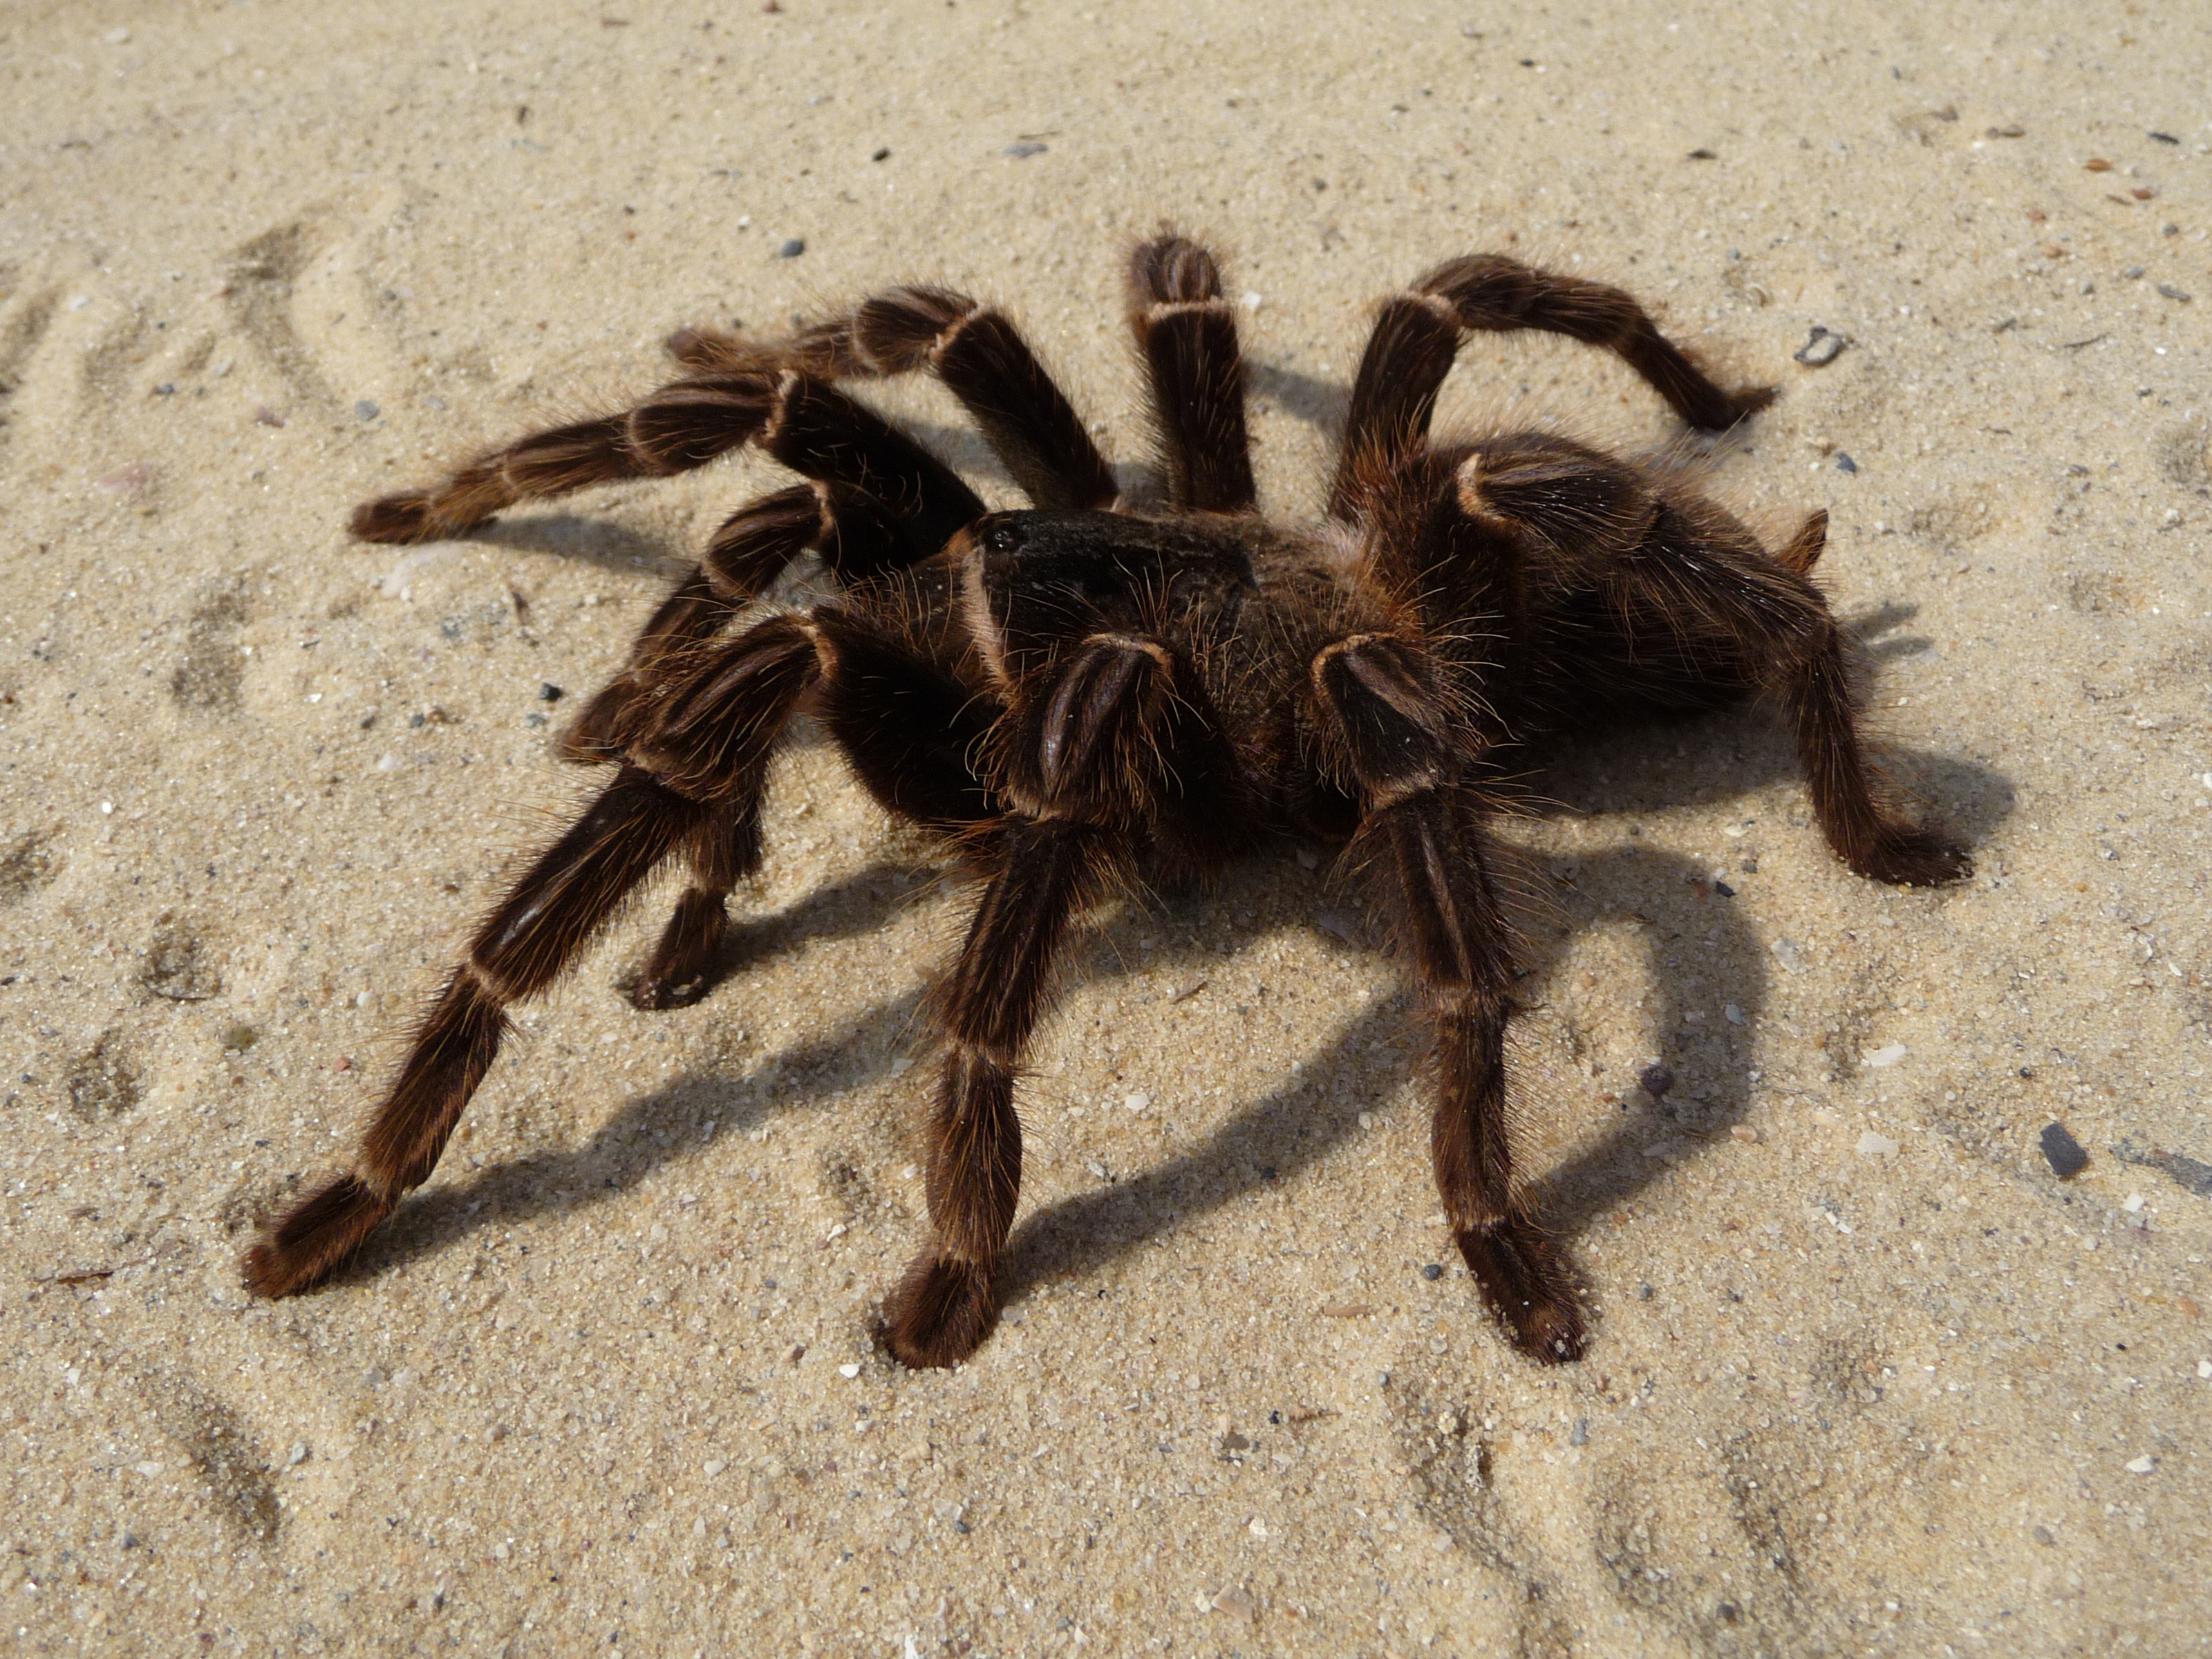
(980, 356)
(858, 538)
(803, 423)
(699, 767)
(1417, 335)
(1386, 725)
(1187, 335)
(1084, 761)
(1690, 611)
(1815, 676)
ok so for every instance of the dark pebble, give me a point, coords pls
(1702, 155)
(366, 410)
(792, 249)
(1729, 1612)
(167, 389)
(1655, 1080)
(549, 692)
(2164, 137)
(1433, 1271)
(2028, 1070)
(2063, 1152)
(1267, 1172)
(1822, 346)
(881, 156)
(2174, 293)
(1723, 889)
(1023, 151)
(1844, 463)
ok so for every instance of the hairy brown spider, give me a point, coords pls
(1087, 695)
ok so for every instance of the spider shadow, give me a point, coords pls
(1702, 760)
(1321, 405)
(587, 540)
(1295, 1127)
(677, 1122)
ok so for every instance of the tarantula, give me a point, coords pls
(1094, 693)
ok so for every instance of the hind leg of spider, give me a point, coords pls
(1417, 334)
(1700, 575)
(709, 748)
(1187, 333)
(1378, 699)
(1866, 831)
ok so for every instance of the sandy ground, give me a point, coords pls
(1867, 1377)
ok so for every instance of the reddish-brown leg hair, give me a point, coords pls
(1093, 744)
(1187, 333)
(1417, 335)
(974, 350)
(857, 538)
(1384, 718)
(699, 767)
(808, 425)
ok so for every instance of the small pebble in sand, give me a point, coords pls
(1655, 1080)
(1873, 1144)
(2174, 293)
(1136, 1103)
(549, 692)
(1821, 348)
(366, 410)
(1023, 150)
(2143, 1465)
(1580, 1437)
(1788, 956)
(2063, 1152)
(883, 155)
(848, 1372)
(1886, 1056)
(1845, 463)
(2204, 1369)
(1432, 1272)
(791, 248)
(1744, 1133)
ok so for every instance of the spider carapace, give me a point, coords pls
(1093, 695)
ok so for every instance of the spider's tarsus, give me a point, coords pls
(314, 1238)
(1525, 1282)
(940, 1313)
(681, 966)
(1917, 858)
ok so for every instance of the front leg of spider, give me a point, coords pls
(1387, 726)
(1082, 755)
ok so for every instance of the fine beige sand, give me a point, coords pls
(1867, 1376)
